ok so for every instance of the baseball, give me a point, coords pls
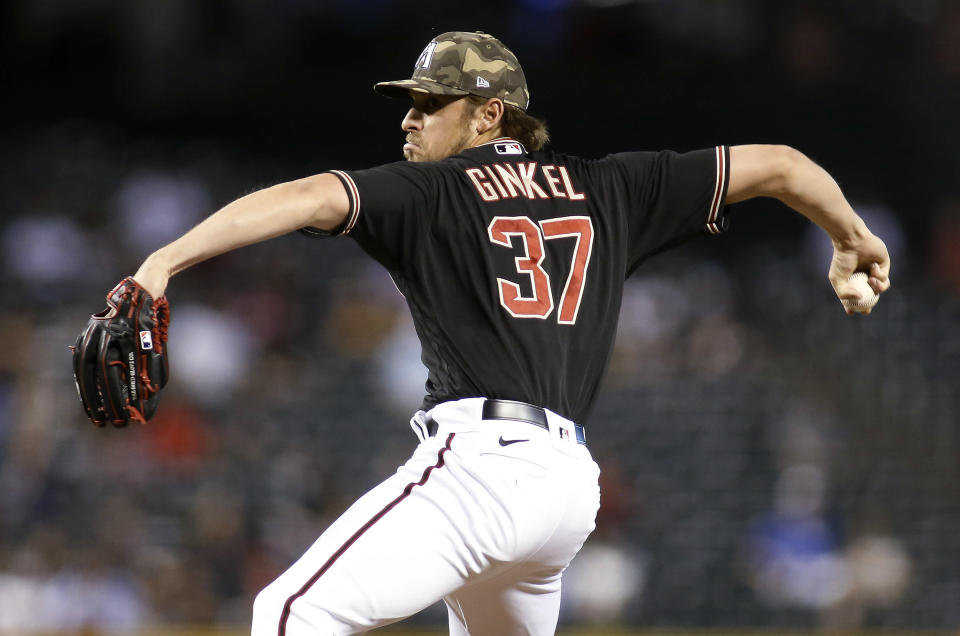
(868, 297)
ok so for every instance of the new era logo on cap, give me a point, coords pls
(482, 83)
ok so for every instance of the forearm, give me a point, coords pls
(789, 176)
(812, 192)
(256, 217)
(786, 174)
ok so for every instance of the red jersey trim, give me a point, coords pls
(354, 195)
(717, 204)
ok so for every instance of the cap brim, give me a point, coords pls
(402, 88)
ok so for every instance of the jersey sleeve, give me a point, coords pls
(391, 209)
(669, 197)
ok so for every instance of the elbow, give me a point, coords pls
(322, 201)
(305, 202)
(306, 196)
(785, 164)
(763, 170)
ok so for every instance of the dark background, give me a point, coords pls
(768, 461)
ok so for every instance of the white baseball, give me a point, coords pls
(868, 297)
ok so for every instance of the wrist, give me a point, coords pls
(851, 236)
(154, 274)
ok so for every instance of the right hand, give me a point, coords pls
(867, 254)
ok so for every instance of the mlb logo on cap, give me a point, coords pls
(509, 148)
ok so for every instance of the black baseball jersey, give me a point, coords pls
(513, 262)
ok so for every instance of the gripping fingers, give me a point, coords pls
(879, 279)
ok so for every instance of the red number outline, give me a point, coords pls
(500, 230)
(579, 227)
(541, 305)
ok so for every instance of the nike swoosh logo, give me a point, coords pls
(507, 442)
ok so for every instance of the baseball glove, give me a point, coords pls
(120, 357)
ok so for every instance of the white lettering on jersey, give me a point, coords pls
(553, 181)
(509, 181)
(531, 186)
(485, 189)
(574, 196)
(496, 182)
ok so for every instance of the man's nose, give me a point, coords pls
(413, 120)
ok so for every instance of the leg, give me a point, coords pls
(498, 523)
(387, 557)
(515, 603)
(552, 513)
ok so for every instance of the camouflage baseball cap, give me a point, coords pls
(462, 63)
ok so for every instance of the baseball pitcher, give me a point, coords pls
(512, 259)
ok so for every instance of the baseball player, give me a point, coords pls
(512, 260)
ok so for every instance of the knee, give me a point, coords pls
(303, 617)
(267, 608)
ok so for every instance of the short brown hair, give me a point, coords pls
(529, 130)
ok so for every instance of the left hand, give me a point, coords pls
(153, 276)
(120, 357)
(867, 254)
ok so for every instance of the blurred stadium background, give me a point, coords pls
(769, 463)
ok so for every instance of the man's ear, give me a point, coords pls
(489, 115)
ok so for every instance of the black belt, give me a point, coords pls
(523, 412)
(514, 411)
(511, 410)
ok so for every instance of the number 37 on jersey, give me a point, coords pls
(530, 263)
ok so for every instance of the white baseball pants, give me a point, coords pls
(487, 527)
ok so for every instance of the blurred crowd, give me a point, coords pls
(767, 460)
